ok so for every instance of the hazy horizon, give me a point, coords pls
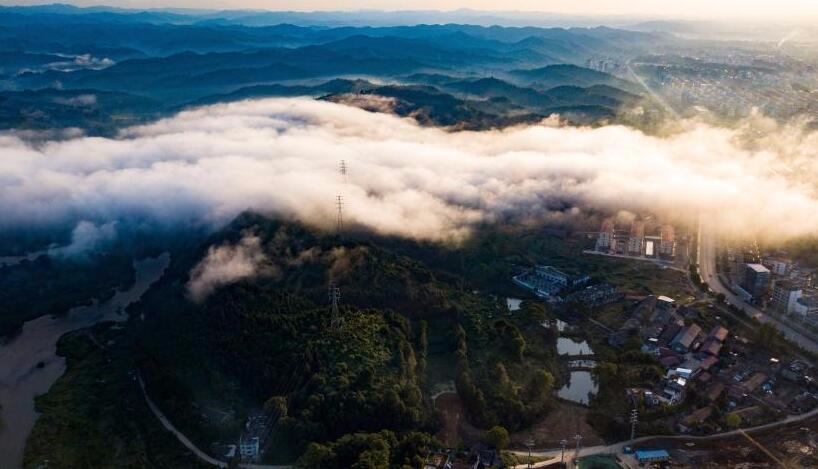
(732, 10)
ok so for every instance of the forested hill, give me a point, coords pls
(357, 392)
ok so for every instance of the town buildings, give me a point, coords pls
(785, 296)
(635, 241)
(556, 286)
(667, 241)
(249, 447)
(806, 306)
(604, 240)
(756, 280)
(780, 267)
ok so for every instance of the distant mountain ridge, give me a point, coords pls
(160, 61)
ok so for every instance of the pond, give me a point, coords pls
(568, 346)
(513, 304)
(578, 388)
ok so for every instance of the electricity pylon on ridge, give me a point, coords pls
(335, 314)
(342, 170)
(339, 218)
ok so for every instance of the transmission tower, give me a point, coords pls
(339, 219)
(634, 419)
(342, 170)
(335, 315)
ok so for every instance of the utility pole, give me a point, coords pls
(563, 443)
(339, 219)
(529, 443)
(634, 419)
(578, 437)
(335, 315)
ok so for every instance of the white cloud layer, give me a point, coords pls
(281, 156)
(226, 264)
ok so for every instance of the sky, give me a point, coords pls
(715, 9)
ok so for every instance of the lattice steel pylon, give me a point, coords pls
(335, 315)
(339, 219)
(342, 170)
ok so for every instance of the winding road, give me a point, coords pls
(618, 447)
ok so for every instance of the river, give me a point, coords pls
(21, 379)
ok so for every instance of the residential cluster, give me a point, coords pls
(683, 348)
(725, 373)
(559, 287)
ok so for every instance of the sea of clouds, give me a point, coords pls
(281, 156)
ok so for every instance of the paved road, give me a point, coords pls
(189, 444)
(707, 269)
(617, 448)
(657, 262)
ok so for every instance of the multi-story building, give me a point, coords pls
(620, 241)
(777, 266)
(637, 238)
(806, 306)
(756, 280)
(667, 243)
(652, 246)
(604, 241)
(785, 296)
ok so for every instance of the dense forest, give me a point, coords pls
(356, 393)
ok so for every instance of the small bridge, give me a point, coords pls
(581, 364)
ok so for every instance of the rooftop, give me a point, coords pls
(719, 333)
(758, 268)
(786, 285)
(651, 454)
